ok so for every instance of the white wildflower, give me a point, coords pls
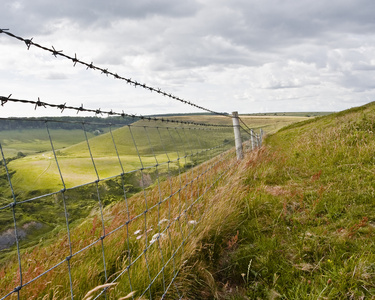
(157, 236)
(139, 237)
(137, 232)
(163, 221)
(193, 222)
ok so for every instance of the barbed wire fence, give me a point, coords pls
(111, 215)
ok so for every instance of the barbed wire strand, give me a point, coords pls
(78, 109)
(75, 60)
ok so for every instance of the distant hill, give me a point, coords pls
(68, 123)
(293, 114)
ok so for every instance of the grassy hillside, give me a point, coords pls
(305, 226)
(130, 252)
(31, 141)
(154, 145)
(30, 135)
(37, 173)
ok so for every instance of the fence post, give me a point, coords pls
(252, 139)
(261, 137)
(237, 135)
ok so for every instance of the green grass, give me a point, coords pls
(30, 141)
(305, 225)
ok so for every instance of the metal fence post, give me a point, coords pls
(237, 135)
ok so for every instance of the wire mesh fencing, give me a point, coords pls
(103, 210)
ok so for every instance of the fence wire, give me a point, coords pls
(111, 214)
(101, 112)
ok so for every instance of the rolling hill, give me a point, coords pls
(305, 225)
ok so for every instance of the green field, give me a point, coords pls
(30, 141)
(269, 123)
(38, 171)
(154, 146)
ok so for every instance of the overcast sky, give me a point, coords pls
(226, 55)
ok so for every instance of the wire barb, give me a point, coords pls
(80, 108)
(39, 103)
(28, 43)
(5, 100)
(90, 66)
(55, 52)
(75, 60)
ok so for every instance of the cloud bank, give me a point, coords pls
(250, 56)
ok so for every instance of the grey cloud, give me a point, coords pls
(33, 16)
(272, 25)
(357, 81)
(57, 76)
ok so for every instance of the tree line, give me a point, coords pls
(67, 123)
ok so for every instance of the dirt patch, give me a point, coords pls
(275, 190)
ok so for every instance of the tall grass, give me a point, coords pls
(302, 223)
(138, 246)
(137, 241)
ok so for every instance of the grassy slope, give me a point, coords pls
(87, 266)
(40, 170)
(29, 141)
(305, 225)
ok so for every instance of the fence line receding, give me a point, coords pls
(107, 205)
